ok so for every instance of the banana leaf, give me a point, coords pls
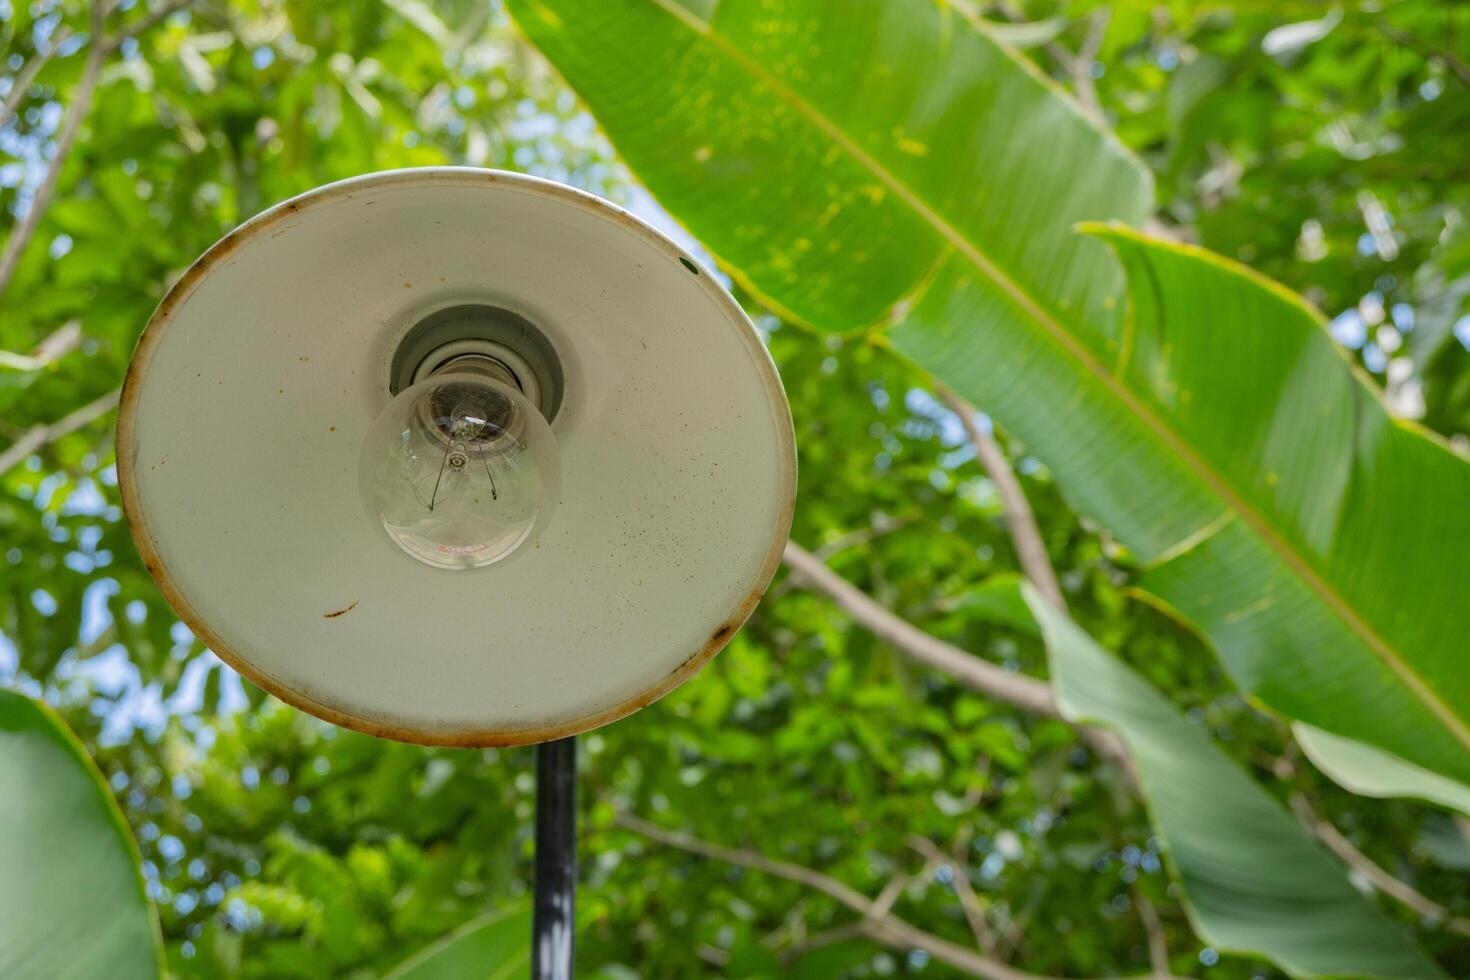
(1255, 881)
(890, 166)
(72, 905)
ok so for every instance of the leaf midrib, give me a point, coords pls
(1063, 338)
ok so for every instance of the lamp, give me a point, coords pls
(456, 457)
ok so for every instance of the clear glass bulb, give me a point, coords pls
(460, 469)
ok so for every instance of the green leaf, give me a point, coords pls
(1290, 39)
(749, 957)
(1368, 771)
(1324, 496)
(1255, 881)
(71, 896)
(851, 160)
(891, 165)
(996, 600)
(614, 971)
(1447, 841)
(496, 946)
(835, 960)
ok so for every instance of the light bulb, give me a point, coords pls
(460, 469)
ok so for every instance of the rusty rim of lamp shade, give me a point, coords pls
(256, 379)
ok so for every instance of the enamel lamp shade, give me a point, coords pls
(456, 457)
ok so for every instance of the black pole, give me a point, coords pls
(553, 918)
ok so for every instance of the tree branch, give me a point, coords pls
(884, 928)
(1026, 693)
(1020, 521)
(1399, 891)
(81, 104)
(39, 435)
(28, 72)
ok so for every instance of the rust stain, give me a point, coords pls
(339, 612)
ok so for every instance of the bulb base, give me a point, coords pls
(522, 355)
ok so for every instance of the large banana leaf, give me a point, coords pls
(71, 895)
(888, 164)
(1255, 881)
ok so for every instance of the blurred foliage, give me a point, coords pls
(1327, 148)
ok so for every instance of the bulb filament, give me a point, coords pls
(457, 459)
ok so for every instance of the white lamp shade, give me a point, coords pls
(256, 379)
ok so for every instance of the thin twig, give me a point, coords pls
(964, 891)
(1077, 67)
(1379, 225)
(39, 435)
(1057, 51)
(886, 899)
(881, 526)
(1159, 228)
(1458, 68)
(712, 955)
(28, 72)
(54, 346)
(1394, 888)
(142, 24)
(1015, 930)
(827, 937)
(1020, 520)
(1081, 66)
(81, 104)
(101, 642)
(815, 880)
(885, 928)
(99, 48)
(1153, 927)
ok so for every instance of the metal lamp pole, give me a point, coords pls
(553, 920)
